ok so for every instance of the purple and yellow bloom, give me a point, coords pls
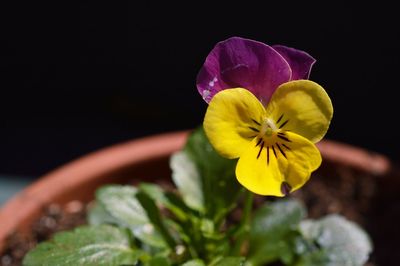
(263, 111)
(244, 63)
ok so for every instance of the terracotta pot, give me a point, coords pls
(144, 158)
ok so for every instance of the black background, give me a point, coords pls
(76, 78)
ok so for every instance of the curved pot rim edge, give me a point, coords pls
(126, 153)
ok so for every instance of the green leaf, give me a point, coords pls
(196, 262)
(155, 217)
(89, 245)
(229, 261)
(98, 215)
(155, 192)
(169, 200)
(315, 258)
(187, 179)
(189, 227)
(220, 189)
(158, 261)
(273, 220)
(121, 204)
(274, 231)
(343, 241)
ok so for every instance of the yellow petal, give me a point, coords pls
(276, 164)
(303, 107)
(232, 121)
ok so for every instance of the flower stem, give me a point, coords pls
(242, 233)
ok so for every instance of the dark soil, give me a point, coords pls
(55, 218)
(368, 200)
(371, 201)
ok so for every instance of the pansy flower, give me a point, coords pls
(244, 63)
(272, 130)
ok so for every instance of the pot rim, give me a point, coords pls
(89, 167)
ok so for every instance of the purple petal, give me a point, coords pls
(238, 62)
(300, 62)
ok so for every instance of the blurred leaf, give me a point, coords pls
(186, 177)
(220, 189)
(191, 228)
(272, 220)
(274, 231)
(229, 261)
(121, 204)
(98, 215)
(316, 258)
(89, 245)
(168, 200)
(343, 241)
(158, 261)
(196, 262)
(155, 217)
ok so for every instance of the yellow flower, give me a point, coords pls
(274, 144)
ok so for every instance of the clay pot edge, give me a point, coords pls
(89, 167)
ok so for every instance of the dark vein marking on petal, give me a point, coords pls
(280, 149)
(273, 149)
(268, 155)
(258, 124)
(254, 129)
(283, 144)
(284, 138)
(258, 143)
(284, 123)
(279, 119)
(261, 147)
